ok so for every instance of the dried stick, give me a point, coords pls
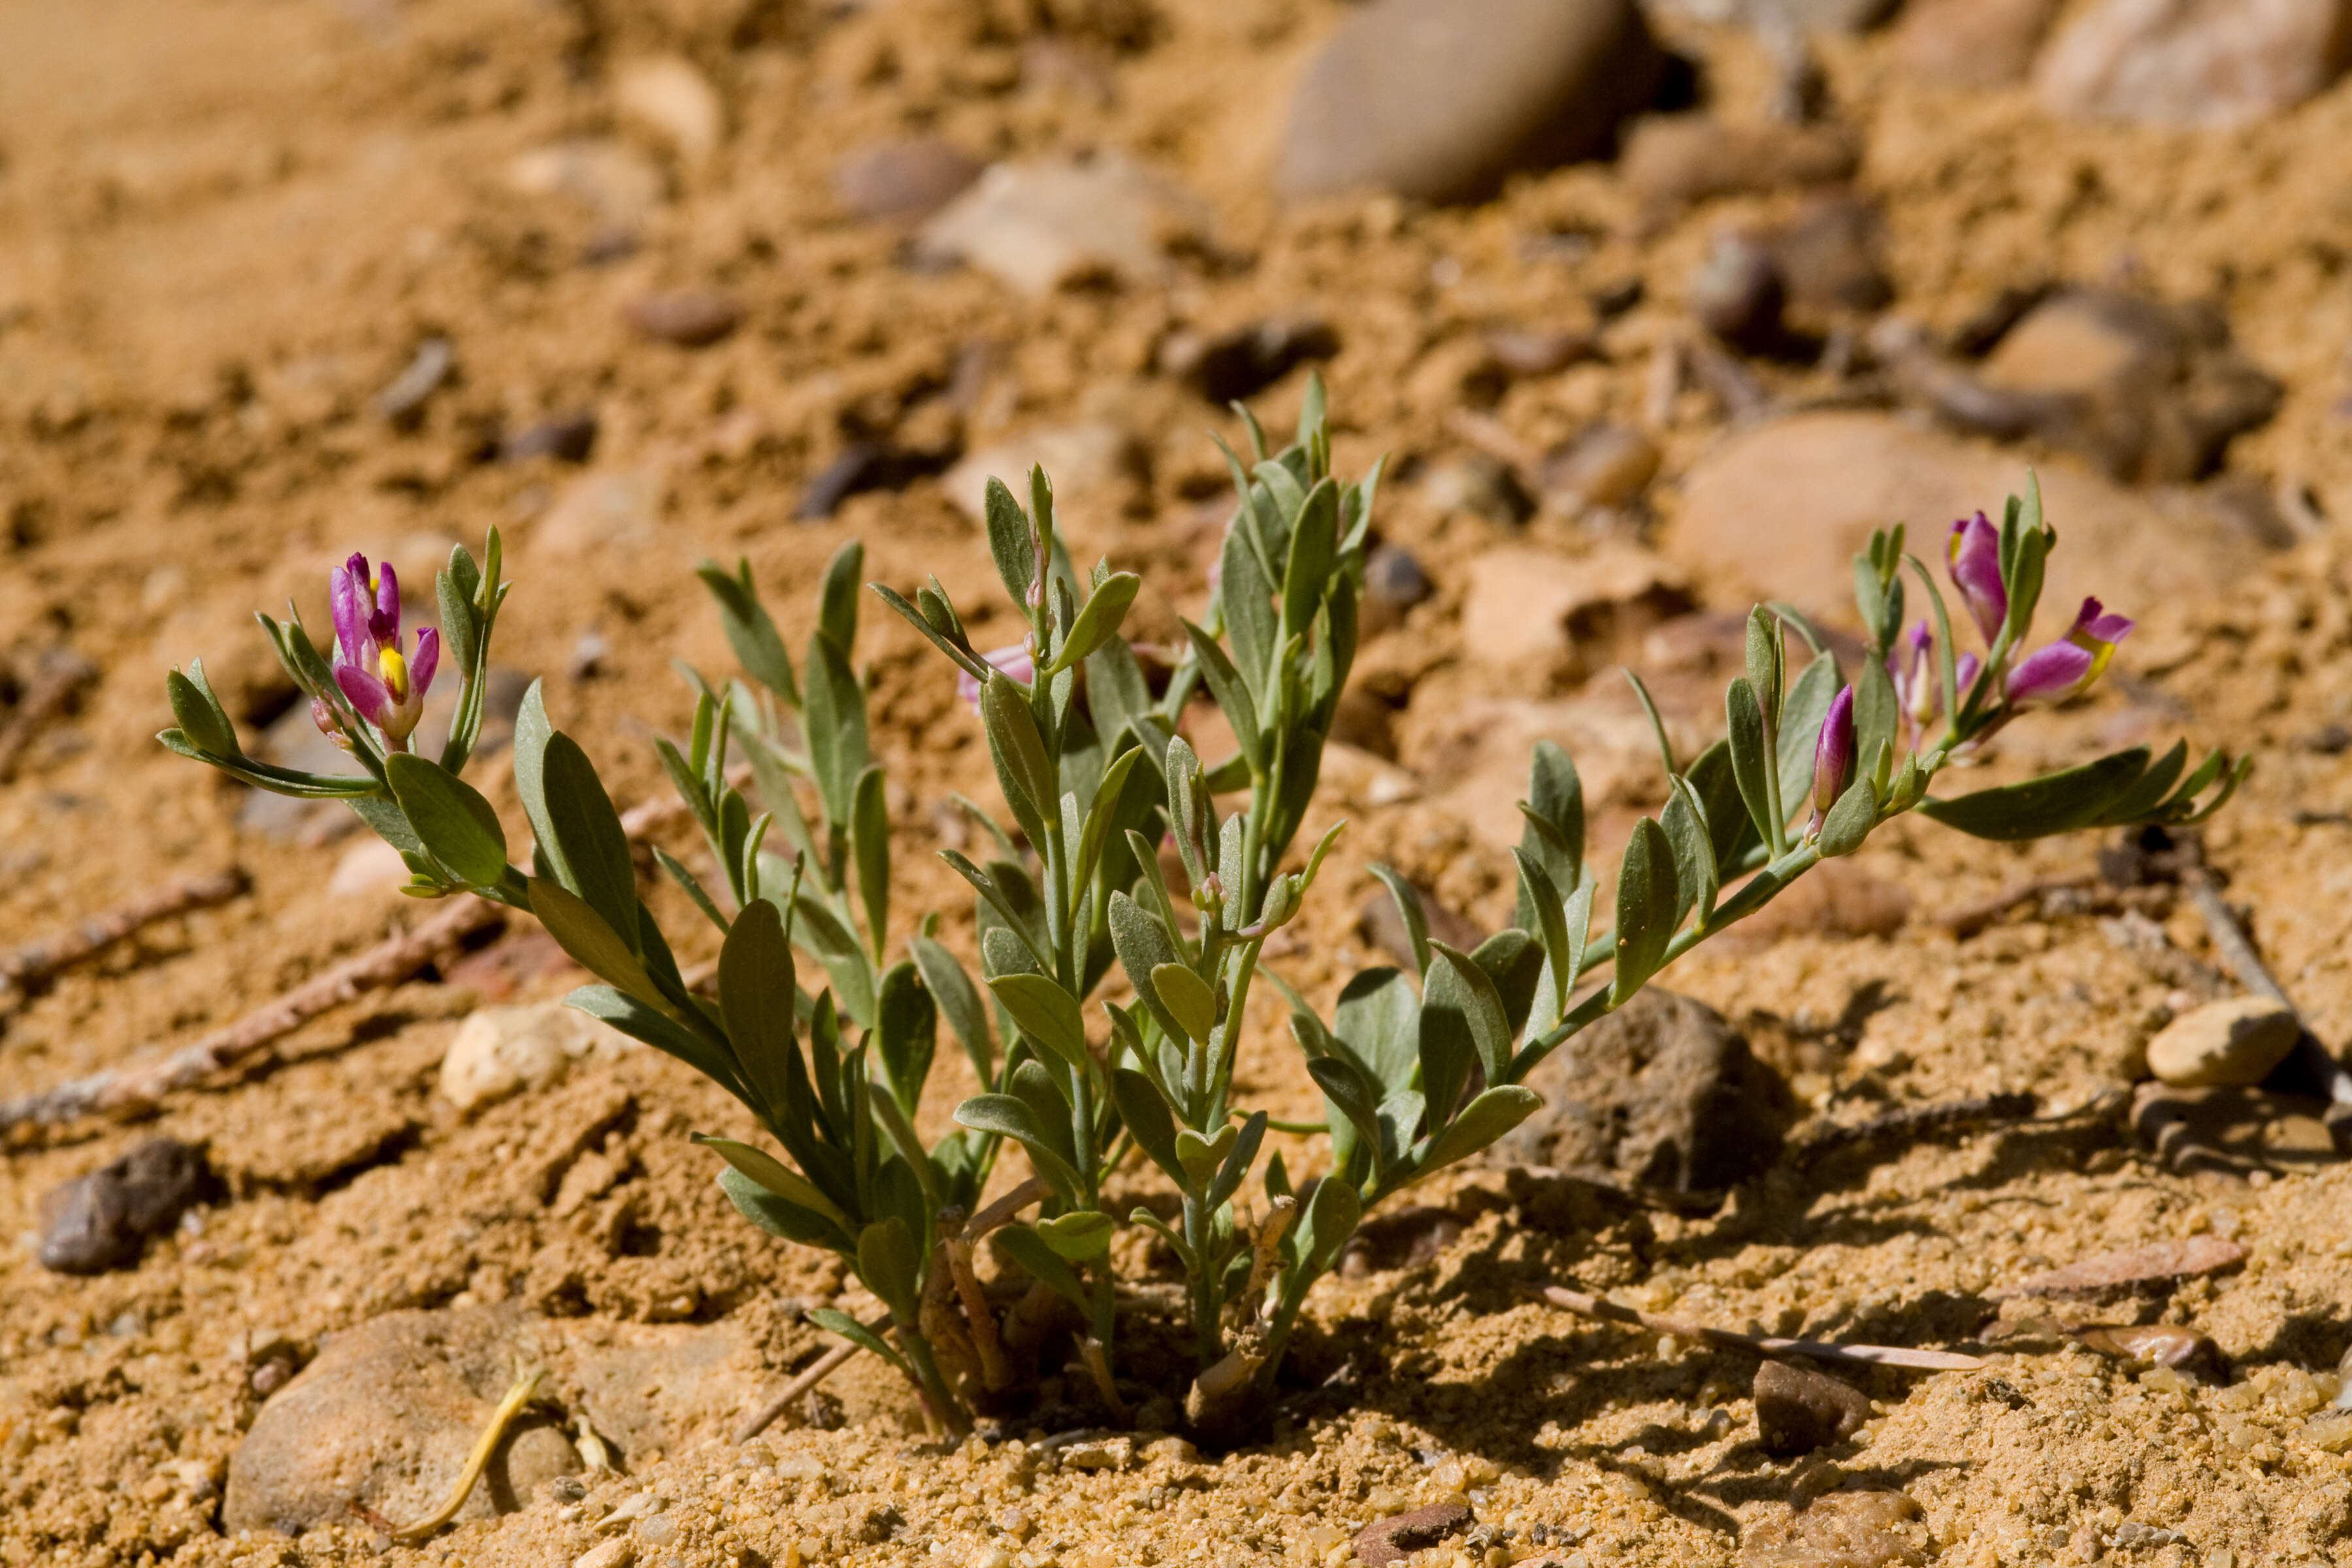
(817, 1372)
(1608, 1311)
(124, 1090)
(1915, 1121)
(1971, 918)
(37, 961)
(526, 1384)
(63, 672)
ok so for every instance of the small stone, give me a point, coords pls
(668, 97)
(612, 180)
(403, 401)
(618, 507)
(1607, 465)
(618, 1554)
(1244, 361)
(2160, 1345)
(1038, 227)
(2194, 62)
(690, 318)
(1393, 584)
(1662, 1093)
(1738, 292)
(904, 182)
(1438, 100)
(369, 868)
(860, 467)
(1481, 485)
(270, 1376)
(499, 1051)
(1799, 1410)
(2155, 1267)
(1970, 43)
(1525, 351)
(102, 1221)
(1829, 256)
(2232, 1043)
(1394, 1538)
(1099, 1453)
(1672, 160)
(567, 437)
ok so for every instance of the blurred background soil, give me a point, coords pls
(1650, 317)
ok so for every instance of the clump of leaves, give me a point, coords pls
(1418, 1067)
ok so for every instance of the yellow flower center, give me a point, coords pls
(395, 673)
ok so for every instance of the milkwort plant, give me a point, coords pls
(1418, 1067)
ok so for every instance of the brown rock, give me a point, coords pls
(2160, 1345)
(2195, 62)
(1244, 361)
(1524, 609)
(2232, 1043)
(1830, 255)
(1671, 160)
(1037, 226)
(2239, 1129)
(1970, 43)
(1799, 1410)
(904, 182)
(669, 97)
(1393, 584)
(104, 1220)
(1660, 1093)
(1781, 509)
(1524, 351)
(1439, 100)
(2159, 1266)
(690, 318)
(1843, 1529)
(1392, 1539)
(1608, 464)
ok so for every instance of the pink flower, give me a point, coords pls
(385, 688)
(1974, 553)
(1015, 661)
(2064, 669)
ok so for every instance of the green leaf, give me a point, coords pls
(1081, 1236)
(1314, 551)
(1188, 996)
(869, 846)
(905, 1027)
(1099, 621)
(592, 942)
(1351, 1095)
(2037, 808)
(1103, 813)
(1010, 1117)
(1877, 714)
(1232, 696)
(837, 618)
(1030, 1253)
(834, 721)
(1801, 728)
(1237, 1159)
(1147, 1117)
(757, 997)
(957, 999)
(773, 1175)
(201, 717)
(1695, 878)
(1767, 663)
(1482, 1122)
(1244, 594)
(1745, 719)
(1009, 543)
(921, 621)
(1462, 1009)
(1379, 1021)
(858, 1334)
(643, 1021)
(1555, 797)
(847, 965)
(1646, 911)
(587, 831)
(1850, 820)
(1024, 767)
(1047, 1014)
(1331, 1221)
(1514, 962)
(1203, 1155)
(758, 648)
(455, 823)
(1144, 947)
(1416, 918)
(781, 1217)
(890, 1267)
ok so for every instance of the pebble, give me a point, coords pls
(403, 401)
(1830, 255)
(2230, 1044)
(2160, 1345)
(1393, 584)
(102, 1221)
(501, 1051)
(904, 182)
(1529, 609)
(1970, 43)
(1525, 351)
(1799, 1410)
(1244, 360)
(1482, 485)
(1660, 1093)
(1607, 465)
(860, 467)
(567, 437)
(668, 97)
(618, 1554)
(2194, 62)
(1394, 1538)
(1781, 507)
(622, 507)
(1037, 226)
(613, 181)
(2139, 1267)
(369, 868)
(1671, 160)
(1436, 101)
(690, 318)
(1738, 292)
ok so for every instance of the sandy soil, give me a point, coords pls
(224, 225)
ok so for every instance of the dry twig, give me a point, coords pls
(62, 673)
(37, 961)
(1914, 1121)
(1608, 1311)
(132, 1089)
(526, 1384)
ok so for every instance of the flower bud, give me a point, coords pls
(1974, 553)
(1833, 753)
(330, 723)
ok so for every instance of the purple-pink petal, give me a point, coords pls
(2051, 673)
(428, 659)
(384, 625)
(1965, 670)
(344, 591)
(1015, 661)
(2095, 623)
(367, 693)
(1975, 556)
(1834, 751)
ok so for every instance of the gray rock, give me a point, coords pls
(2195, 62)
(1781, 507)
(2224, 1045)
(1246, 360)
(1662, 1093)
(1799, 1410)
(1395, 580)
(102, 1221)
(567, 437)
(1037, 226)
(1970, 43)
(1439, 100)
(904, 182)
